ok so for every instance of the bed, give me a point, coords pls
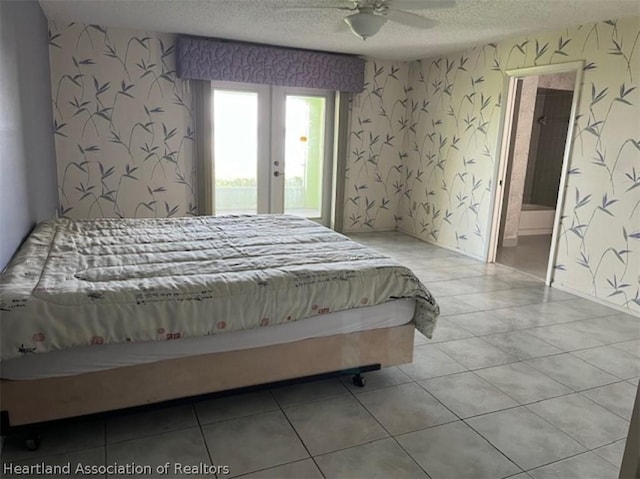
(97, 315)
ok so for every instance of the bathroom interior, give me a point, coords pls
(538, 140)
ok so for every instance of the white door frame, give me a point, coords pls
(510, 85)
(271, 123)
(279, 95)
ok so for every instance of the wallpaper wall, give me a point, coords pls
(376, 148)
(123, 124)
(457, 144)
(444, 148)
(422, 151)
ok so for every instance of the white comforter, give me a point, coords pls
(75, 283)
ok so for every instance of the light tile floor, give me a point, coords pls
(531, 255)
(519, 381)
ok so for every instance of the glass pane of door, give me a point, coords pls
(235, 149)
(304, 155)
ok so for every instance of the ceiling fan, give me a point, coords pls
(370, 15)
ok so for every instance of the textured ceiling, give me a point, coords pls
(471, 22)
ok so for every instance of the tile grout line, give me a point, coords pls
(159, 433)
(481, 336)
(283, 412)
(596, 366)
(281, 409)
(463, 421)
(389, 433)
(459, 419)
(522, 468)
(587, 448)
(204, 438)
(628, 421)
(607, 445)
(541, 372)
(513, 306)
(563, 459)
(517, 405)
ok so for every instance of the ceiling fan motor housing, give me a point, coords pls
(365, 23)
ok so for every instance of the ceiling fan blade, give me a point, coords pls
(298, 9)
(419, 4)
(346, 5)
(410, 19)
(340, 27)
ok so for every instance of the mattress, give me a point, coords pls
(90, 359)
(75, 284)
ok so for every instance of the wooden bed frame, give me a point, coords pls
(39, 400)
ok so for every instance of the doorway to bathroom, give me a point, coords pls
(533, 165)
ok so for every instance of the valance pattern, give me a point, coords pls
(224, 60)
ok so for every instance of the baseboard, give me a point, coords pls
(595, 299)
(346, 231)
(510, 242)
(439, 245)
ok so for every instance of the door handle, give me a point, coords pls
(276, 173)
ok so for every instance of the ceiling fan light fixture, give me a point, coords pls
(365, 24)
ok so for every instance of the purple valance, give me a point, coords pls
(212, 59)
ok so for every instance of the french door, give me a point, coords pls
(272, 150)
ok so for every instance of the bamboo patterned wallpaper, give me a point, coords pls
(123, 124)
(423, 142)
(378, 127)
(448, 158)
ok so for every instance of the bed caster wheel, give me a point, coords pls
(358, 381)
(32, 442)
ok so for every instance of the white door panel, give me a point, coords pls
(272, 150)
